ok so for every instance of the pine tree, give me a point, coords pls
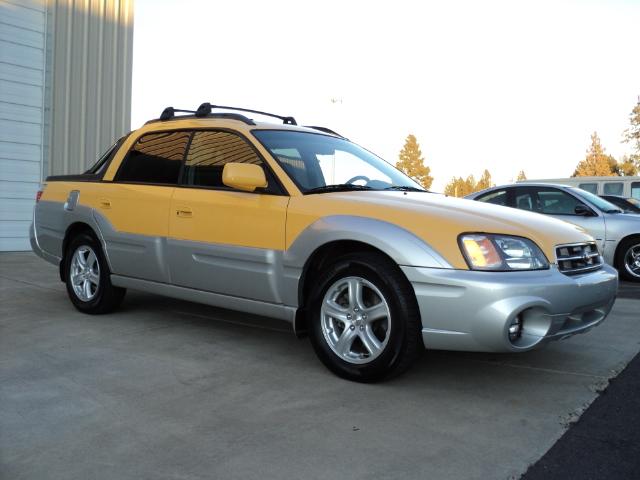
(411, 162)
(596, 163)
(460, 187)
(632, 134)
(521, 176)
(627, 167)
(484, 182)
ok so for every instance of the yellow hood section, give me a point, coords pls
(435, 218)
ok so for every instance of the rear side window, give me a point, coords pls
(635, 190)
(155, 158)
(526, 200)
(209, 152)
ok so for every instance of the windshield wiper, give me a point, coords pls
(615, 211)
(338, 187)
(405, 188)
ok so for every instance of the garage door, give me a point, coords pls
(22, 40)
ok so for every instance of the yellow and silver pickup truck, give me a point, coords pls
(300, 224)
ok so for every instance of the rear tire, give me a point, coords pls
(364, 322)
(628, 259)
(88, 277)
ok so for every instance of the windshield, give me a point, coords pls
(601, 203)
(317, 162)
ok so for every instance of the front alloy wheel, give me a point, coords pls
(355, 320)
(364, 321)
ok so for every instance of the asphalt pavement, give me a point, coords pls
(165, 389)
(605, 441)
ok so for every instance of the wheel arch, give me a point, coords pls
(337, 235)
(618, 252)
(73, 230)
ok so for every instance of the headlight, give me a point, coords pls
(490, 252)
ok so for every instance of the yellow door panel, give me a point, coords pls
(228, 217)
(138, 209)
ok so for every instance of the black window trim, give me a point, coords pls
(279, 189)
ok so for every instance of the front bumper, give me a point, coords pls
(472, 310)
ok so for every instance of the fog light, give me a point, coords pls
(515, 329)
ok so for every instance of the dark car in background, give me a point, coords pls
(628, 205)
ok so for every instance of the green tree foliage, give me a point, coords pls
(521, 176)
(632, 135)
(411, 162)
(461, 187)
(596, 163)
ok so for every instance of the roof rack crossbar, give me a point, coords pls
(170, 112)
(206, 108)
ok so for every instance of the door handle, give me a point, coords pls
(105, 203)
(184, 212)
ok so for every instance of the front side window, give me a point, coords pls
(209, 152)
(155, 158)
(557, 202)
(317, 162)
(613, 188)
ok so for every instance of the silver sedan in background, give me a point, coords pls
(617, 233)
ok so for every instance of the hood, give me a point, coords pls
(439, 219)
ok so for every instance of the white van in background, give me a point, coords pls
(628, 187)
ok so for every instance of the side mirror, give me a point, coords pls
(583, 211)
(244, 176)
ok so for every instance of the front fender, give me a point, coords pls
(402, 246)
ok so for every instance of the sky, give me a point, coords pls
(505, 86)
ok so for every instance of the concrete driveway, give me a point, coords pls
(165, 389)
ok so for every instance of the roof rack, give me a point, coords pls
(206, 108)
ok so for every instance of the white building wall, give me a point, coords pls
(65, 95)
(22, 65)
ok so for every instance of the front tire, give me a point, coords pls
(364, 320)
(628, 259)
(88, 277)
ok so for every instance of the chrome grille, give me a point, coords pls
(578, 258)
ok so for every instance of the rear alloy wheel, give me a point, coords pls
(629, 260)
(364, 322)
(85, 273)
(88, 277)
